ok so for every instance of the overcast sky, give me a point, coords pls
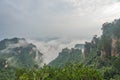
(55, 18)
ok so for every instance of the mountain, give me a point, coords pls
(79, 46)
(67, 56)
(111, 34)
(99, 61)
(17, 52)
(102, 53)
(106, 46)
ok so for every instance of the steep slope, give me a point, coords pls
(107, 46)
(67, 56)
(109, 42)
(17, 52)
(111, 35)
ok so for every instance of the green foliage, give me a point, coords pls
(116, 29)
(87, 47)
(2, 63)
(110, 30)
(7, 74)
(106, 45)
(108, 73)
(117, 47)
(116, 64)
(69, 72)
(67, 56)
(94, 67)
(116, 77)
(17, 54)
(107, 29)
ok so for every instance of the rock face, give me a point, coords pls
(109, 43)
(115, 46)
(67, 56)
(17, 52)
(87, 49)
(89, 46)
(111, 31)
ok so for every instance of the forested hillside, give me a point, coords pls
(99, 61)
(102, 53)
(17, 53)
(67, 56)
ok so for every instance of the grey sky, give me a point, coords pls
(55, 18)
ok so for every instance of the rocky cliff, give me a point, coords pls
(17, 52)
(109, 42)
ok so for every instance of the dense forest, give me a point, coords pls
(99, 61)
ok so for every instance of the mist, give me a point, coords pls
(50, 49)
(71, 21)
(56, 18)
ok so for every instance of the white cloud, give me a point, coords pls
(9, 46)
(51, 49)
(79, 19)
(70, 18)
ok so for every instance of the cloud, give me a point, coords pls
(73, 20)
(61, 18)
(10, 45)
(51, 49)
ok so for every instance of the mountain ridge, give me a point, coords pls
(17, 52)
